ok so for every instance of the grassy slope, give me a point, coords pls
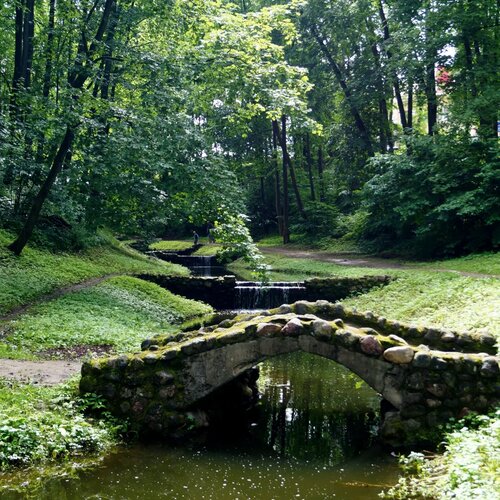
(416, 296)
(40, 425)
(120, 312)
(37, 272)
(171, 245)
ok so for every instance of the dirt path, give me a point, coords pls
(39, 372)
(355, 260)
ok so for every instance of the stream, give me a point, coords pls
(311, 436)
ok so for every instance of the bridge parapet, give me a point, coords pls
(159, 388)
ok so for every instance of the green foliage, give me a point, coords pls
(322, 220)
(42, 424)
(441, 200)
(37, 272)
(119, 312)
(467, 469)
(234, 236)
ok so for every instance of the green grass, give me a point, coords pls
(304, 268)
(46, 424)
(436, 299)
(483, 263)
(209, 249)
(120, 312)
(37, 272)
(417, 296)
(171, 245)
(299, 241)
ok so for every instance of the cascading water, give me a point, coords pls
(251, 295)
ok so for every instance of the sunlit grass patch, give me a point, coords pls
(436, 299)
(481, 263)
(171, 245)
(207, 250)
(120, 312)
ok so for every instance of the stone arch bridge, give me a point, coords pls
(427, 375)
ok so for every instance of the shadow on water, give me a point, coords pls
(310, 437)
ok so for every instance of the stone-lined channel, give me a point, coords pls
(310, 437)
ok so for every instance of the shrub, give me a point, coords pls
(440, 200)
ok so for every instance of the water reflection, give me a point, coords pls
(315, 410)
(309, 439)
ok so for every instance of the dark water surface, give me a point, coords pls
(310, 438)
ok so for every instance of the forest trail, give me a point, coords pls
(357, 260)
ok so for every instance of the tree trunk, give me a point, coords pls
(430, 76)
(360, 124)
(395, 79)
(410, 104)
(57, 164)
(308, 157)
(385, 127)
(28, 35)
(47, 76)
(277, 190)
(286, 159)
(320, 174)
(286, 231)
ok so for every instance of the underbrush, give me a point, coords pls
(468, 467)
(37, 272)
(119, 312)
(47, 424)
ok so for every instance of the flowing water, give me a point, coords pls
(251, 295)
(311, 437)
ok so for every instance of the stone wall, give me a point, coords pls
(437, 338)
(220, 292)
(333, 289)
(217, 291)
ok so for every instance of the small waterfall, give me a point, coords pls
(251, 295)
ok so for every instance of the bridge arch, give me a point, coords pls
(159, 388)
